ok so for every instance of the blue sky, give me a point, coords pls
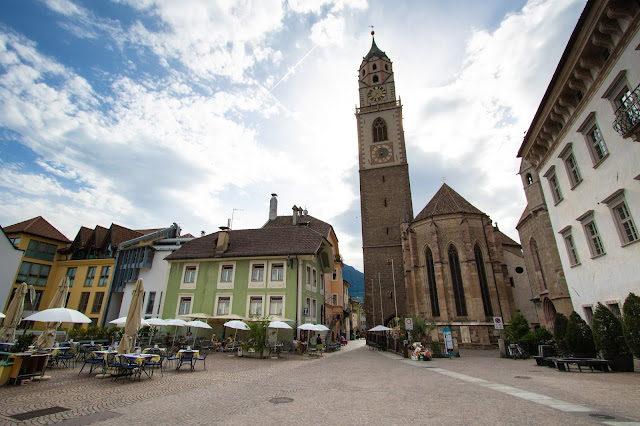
(149, 112)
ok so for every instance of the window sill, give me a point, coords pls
(600, 161)
(576, 184)
(630, 243)
(558, 202)
(575, 264)
(598, 255)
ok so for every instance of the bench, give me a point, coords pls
(592, 363)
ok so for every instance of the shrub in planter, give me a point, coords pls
(578, 337)
(631, 323)
(559, 330)
(607, 335)
(530, 341)
(258, 335)
(518, 327)
(23, 342)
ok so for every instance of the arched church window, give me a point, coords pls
(375, 78)
(374, 67)
(433, 290)
(529, 179)
(386, 67)
(379, 130)
(456, 281)
(484, 287)
(537, 263)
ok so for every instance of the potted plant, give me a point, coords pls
(578, 338)
(631, 323)
(258, 336)
(607, 334)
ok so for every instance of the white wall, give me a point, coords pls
(155, 279)
(9, 263)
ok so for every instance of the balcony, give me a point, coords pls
(627, 122)
(378, 107)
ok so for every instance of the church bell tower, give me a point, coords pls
(385, 193)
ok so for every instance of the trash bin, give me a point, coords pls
(405, 351)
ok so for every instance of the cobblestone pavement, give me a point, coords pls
(355, 385)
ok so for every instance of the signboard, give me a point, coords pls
(448, 341)
(497, 323)
(408, 324)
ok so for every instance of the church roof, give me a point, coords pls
(506, 240)
(524, 216)
(375, 51)
(446, 201)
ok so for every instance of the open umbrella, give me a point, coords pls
(278, 325)
(198, 315)
(237, 325)
(2, 315)
(122, 321)
(154, 322)
(48, 336)
(128, 342)
(59, 315)
(380, 328)
(197, 324)
(175, 322)
(14, 312)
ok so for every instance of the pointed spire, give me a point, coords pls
(375, 50)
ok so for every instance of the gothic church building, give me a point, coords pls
(448, 263)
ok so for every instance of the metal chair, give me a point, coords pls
(94, 360)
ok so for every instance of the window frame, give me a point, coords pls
(573, 169)
(189, 271)
(181, 298)
(282, 304)
(222, 268)
(228, 297)
(90, 277)
(256, 266)
(379, 130)
(554, 185)
(104, 278)
(456, 281)
(98, 296)
(623, 226)
(275, 265)
(250, 299)
(41, 250)
(431, 282)
(31, 278)
(83, 305)
(588, 129)
(151, 300)
(570, 246)
(71, 276)
(592, 234)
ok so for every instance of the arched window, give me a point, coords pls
(374, 67)
(529, 179)
(484, 287)
(375, 78)
(537, 263)
(456, 281)
(433, 290)
(379, 130)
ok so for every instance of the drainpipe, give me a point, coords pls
(299, 297)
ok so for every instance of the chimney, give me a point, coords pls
(295, 214)
(223, 239)
(273, 207)
(299, 215)
(202, 233)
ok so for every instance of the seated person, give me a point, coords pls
(188, 339)
(215, 342)
(167, 340)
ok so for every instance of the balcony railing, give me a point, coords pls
(628, 115)
(378, 107)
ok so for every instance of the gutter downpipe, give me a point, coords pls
(299, 296)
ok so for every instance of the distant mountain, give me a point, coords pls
(356, 279)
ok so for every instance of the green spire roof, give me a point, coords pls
(375, 51)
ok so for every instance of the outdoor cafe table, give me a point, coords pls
(140, 359)
(195, 355)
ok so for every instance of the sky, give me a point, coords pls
(149, 112)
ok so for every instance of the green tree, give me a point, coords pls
(258, 335)
(607, 333)
(421, 329)
(578, 337)
(518, 327)
(631, 323)
(559, 330)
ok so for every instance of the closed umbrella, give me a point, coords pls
(48, 336)
(14, 314)
(128, 342)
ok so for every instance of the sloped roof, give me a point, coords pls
(446, 201)
(119, 234)
(314, 223)
(523, 217)
(282, 241)
(375, 51)
(507, 241)
(38, 227)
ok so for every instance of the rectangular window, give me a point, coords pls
(572, 253)
(334, 299)
(71, 273)
(91, 274)
(308, 276)
(625, 226)
(277, 272)
(588, 314)
(314, 278)
(591, 233)
(185, 306)
(257, 272)
(33, 273)
(224, 305)
(307, 307)
(554, 185)
(190, 274)
(255, 305)
(41, 250)
(150, 302)
(275, 305)
(84, 302)
(159, 304)
(227, 273)
(596, 144)
(335, 275)
(104, 276)
(571, 165)
(314, 309)
(615, 308)
(97, 302)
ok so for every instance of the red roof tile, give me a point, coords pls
(38, 227)
(446, 201)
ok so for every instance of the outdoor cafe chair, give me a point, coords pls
(186, 357)
(66, 357)
(94, 360)
(130, 367)
(155, 362)
(203, 358)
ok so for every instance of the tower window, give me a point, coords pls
(386, 67)
(374, 67)
(387, 231)
(363, 72)
(385, 202)
(379, 131)
(529, 179)
(383, 178)
(375, 78)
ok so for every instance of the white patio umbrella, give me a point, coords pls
(154, 322)
(198, 315)
(197, 324)
(48, 336)
(322, 327)
(59, 315)
(2, 315)
(175, 322)
(380, 328)
(14, 312)
(237, 325)
(134, 317)
(120, 322)
(278, 325)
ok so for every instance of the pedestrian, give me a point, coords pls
(319, 344)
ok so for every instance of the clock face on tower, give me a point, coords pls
(381, 153)
(377, 93)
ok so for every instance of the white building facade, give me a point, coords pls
(583, 143)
